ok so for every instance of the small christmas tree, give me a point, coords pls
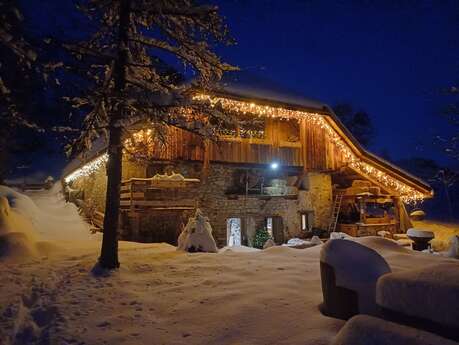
(261, 236)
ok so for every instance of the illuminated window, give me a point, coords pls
(269, 226)
(307, 220)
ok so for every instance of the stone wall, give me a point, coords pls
(94, 188)
(213, 199)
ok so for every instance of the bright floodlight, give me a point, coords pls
(274, 165)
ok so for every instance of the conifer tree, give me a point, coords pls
(261, 236)
(124, 59)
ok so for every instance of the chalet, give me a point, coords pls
(289, 165)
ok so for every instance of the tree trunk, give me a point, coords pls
(448, 200)
(109, 253)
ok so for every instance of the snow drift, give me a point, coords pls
(17, 235)
(27, 222)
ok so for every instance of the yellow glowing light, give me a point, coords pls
(407, 193)
(88, 168)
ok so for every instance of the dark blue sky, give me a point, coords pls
(390, 58)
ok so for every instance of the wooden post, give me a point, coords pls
(303, 139)
(206, 160)
(398, 223)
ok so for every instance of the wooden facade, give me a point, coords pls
(289, 142)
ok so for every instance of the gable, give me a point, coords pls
(339, 143)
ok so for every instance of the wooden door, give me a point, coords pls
(278, 229)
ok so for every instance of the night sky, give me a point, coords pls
(389, 58)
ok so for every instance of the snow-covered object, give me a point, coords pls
(383, 233)
(357, 268)
(453, 251)
(295, 242)
(420, 233)
(418, 215)
(197, 235)
(298, 243)
(269, 243)
(366, 330)
(171, 177)
(339, 235)
(315, 240)
(431, 293)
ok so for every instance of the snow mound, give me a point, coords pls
(280, 250)
(51, 217)
(339, 235)
(364, 329)
(381, 244)
(17, 245)
(453, 251)
(29, 222)
(357, 268)
(431, 293)
(17, 235)
(269, 243)
(239, 249)
(197, 235)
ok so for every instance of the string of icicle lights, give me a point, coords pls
(407, 193)
(87, 169)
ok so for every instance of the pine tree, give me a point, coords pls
(124, 58)
(261, 236)
(18, 79)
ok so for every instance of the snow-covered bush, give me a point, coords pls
(197, 235)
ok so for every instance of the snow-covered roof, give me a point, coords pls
(98, 147)
(251, 85)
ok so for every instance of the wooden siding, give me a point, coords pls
(312, 150)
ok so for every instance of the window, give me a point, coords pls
(247, 127)
(253, 128)
(269, 226)
(307, 220)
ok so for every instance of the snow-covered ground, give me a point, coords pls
(443, 233)
(164, 296)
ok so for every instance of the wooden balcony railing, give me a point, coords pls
(146, 193)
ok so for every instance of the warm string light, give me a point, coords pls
(88, 168)
(407, 193)
(141, 144)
